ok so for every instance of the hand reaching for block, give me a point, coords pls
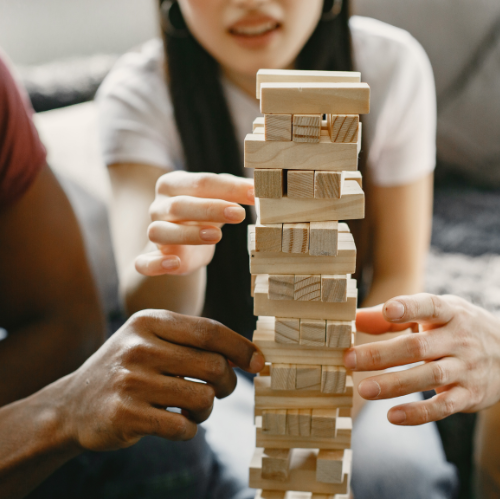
(188, 213)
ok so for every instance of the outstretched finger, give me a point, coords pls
(440, 406)
(422, 308)
(157, 264)
(207, 185)
(371, 320)
(170, 233)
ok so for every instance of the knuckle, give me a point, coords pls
(178, 428)
(174, 206)
(448, 406)
(202, 182)
(218, 367)
(439, 374)
(426, 415)
(154, 232)
(206, 330)
(372, 357)
(437, 306)
(399, 385)
(417, 346)
(206, 397)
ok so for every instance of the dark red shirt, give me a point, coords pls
(22, 154)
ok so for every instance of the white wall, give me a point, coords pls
(37, 31)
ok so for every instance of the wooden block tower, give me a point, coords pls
(301, 261)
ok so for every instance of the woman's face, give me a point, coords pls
(246, 35)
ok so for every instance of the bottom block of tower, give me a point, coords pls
(301, 477)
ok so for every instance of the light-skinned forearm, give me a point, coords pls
(34, 441)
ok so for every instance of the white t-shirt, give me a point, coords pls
(137, 122)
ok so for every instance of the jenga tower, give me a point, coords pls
(301, 258)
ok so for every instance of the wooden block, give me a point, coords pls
(278, 127)
(298, 76)
(354, 176)
(307, 128)
(281, 263)
(259, 123)
(323, 238)
(325, 155)
(276, 464)
(261, 494)
(266, 371)
(300, 98)
(344, 427)
(333, 288)
(308, 377)
(295, 238)
(274, 422)
(259, 130)
(281, 287)
(268, 237)
(268, 182)
(286, 210)
(283, 376)
(310, 309)
(287, 330)
(330, 465)
(312, 332)
(301, 477)
(307, 288)
(327, 185)
(301, 354)
(333, 379)
(338, 334)
(292, 422)
(323, 422)
(305, 422)
(287, 441)
(300, 184)
(267, 399)
(343, 128)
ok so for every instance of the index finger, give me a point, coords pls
(422, 308)
(206, 334)
(207, 185)
(371, 320)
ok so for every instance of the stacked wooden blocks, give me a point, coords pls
(305, 154)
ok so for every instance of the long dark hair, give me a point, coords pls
(209, 143)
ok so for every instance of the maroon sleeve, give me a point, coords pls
(22, 154)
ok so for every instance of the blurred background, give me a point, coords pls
(62, 50)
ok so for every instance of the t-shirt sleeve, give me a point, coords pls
(401, 127)
(136, 122)
(22, 154)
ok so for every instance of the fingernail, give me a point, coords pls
(350, 360)
(397, 416)
(394, 310)
(257, 362)
(170, 264)
(236, 214)
(368, 389)
(210, 234)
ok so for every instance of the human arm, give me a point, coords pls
(49, 303)
(459, 345)
(182, 213)
(120, 394)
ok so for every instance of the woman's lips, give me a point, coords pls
(254, 33)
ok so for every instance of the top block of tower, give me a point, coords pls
(296, 76)
(313, 97)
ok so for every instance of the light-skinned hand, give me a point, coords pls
(459, 347)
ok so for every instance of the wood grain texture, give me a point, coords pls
(295, 238)
(278, 127)
(287, 210)
(283, 376)
(333, 288)
(312, 332)
(333, 379)
(299, 76)
(339, 334)
(323, 422)
(300, 184)
(343, 128)
(327, 185)
(276, 463)
(259, 123)
(268, 183)
(304, 422)
(330, 465)
(267, 237)
(287, 330)
(307, 128)
(274, 422)
(281, 287)
(307, 288)
(308, 377)
(325, 155)
(292, 422)
(354, 176)
(281, 263)
(323, 238)
(312, 97)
